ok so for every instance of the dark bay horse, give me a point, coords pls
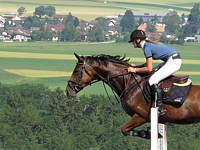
(129, 87)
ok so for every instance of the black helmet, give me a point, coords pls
(137, 34)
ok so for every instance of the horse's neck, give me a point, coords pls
(121, 81)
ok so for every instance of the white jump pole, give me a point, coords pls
(154, 128)
(157, 143)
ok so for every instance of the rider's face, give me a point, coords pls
(135, 41)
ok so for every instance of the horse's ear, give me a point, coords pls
(80, 58)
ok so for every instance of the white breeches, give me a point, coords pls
(167, 69)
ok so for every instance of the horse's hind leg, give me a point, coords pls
(134, 122)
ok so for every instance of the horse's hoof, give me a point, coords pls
(142, 134)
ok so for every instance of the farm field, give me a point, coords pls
(88, 10)
(52, 63)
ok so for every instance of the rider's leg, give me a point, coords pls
(170, 67)
(155, 89)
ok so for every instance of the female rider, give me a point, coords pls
(154, 51)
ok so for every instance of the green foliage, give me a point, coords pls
(68, 33)
(96, 34)
(42, 10)
(44, 34)
(127, 23)
(32, 21)
(21, 11)
(50, 11)
(72, 20)
(34, 117)
(194, 19)
(172, 21)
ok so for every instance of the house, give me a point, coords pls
(155, 35)
(160, 27)
(142, 27)
(2, 22)
(4, 36)
(112, 27)
(149, 16)
(190, 39)
(144, 15)
(18, 33)
(56, 28)
(21, 38)
(60, 17)
(197, 38)
(12, 18)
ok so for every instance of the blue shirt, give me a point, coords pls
(157, 51)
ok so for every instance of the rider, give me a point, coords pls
(154, 51)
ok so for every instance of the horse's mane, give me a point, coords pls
(108, 58)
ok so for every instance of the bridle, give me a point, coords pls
(87, 68)
(77, 85)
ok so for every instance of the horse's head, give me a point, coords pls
(89, 69)
(82, 76)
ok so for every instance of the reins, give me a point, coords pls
(104, 80)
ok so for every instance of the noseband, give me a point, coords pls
(77, 85)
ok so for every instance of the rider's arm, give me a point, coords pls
(147, 68)
(140, 66)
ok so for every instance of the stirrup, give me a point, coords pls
(161, 110)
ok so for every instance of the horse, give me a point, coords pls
(130, 89)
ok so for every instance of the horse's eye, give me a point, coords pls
(76, 71)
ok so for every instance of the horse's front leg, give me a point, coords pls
(134, 122)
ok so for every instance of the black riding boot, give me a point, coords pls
(158, 98)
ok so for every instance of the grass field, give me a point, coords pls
(52, 63)
(90, 9)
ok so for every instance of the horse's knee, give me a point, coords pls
(125, 132)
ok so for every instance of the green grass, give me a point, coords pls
(89, 10)
(189, 51)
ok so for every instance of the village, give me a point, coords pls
(11, 27)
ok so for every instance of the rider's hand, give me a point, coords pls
(133, 65)
(131, 69)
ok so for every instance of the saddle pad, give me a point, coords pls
(177, 94)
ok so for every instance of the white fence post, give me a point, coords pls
(157, 143)
(154, 128)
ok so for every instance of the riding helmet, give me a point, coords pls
(137, 34)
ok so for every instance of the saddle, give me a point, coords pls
(175, 89)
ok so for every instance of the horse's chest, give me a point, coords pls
(128, 107)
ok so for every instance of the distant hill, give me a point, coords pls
(90, 9)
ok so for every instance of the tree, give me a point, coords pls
(164, 39)
(182, 18)
(97, 34)
(102, 22)
(141, 21)
(44, 34)
(76, 21)
(127, 23)
(32, 21)
(40, 11)
(172, 21)
(71, 19)
(68, 33)
(151, 26)
(194, 18)
(21, 11)
(50, 11)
